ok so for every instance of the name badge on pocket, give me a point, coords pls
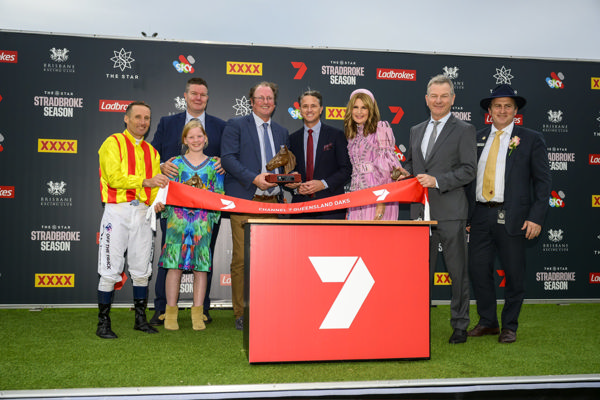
(501, 216)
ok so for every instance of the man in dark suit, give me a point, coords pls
(509, 200)
(442, 155)
(248, 144)
(167, 140)
(331, 167)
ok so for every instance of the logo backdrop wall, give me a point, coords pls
(61, 96)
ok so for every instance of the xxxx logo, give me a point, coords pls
(244, 68)
(335, 112)
(54, 280)
(595, 200)
(357, 280)
(57, 146)
(442, 279)
(595, 83)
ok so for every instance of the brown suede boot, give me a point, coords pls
(198, 318)
(171, 318)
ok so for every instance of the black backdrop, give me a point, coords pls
(60, 96)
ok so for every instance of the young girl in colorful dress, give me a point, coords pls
(189, 230)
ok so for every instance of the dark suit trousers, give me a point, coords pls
(452, 236)
(487, 239)
(160, 293)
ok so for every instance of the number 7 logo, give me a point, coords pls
(357, 285)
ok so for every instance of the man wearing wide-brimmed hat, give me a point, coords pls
(509, 200)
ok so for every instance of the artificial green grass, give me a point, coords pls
(58, 348)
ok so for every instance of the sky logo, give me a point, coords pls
(184, 65)
(295, 111)
(557, 199)
(555, 80)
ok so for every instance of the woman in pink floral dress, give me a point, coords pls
(371, 148)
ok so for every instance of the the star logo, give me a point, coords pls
(503, 76)
(242, 106)
(122, 59)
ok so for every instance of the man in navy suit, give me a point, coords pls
(167, 141)
(508, 203)
(248, 144)
(330, 160)
(442, 156)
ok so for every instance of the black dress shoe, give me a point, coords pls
(481, 330)
(507, 336)
(156, 319)
(207, 317)
(458, 336)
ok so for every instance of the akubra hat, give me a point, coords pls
(503, 90)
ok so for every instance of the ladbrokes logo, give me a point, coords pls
(113, 105)
(225, 280)
(595, 277)
(518, 119)
(244, 68)
(57, 146)
(7, 192)
(594, 159)
(7, 56)
(54, 280)
(184, 65)
(595, 83)
(397, 74)
(335, 112)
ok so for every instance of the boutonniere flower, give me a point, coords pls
(514, 142)
(328, 146)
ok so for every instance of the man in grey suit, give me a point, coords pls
(247, 145)
(443, 155)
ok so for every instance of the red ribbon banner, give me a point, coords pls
(405, 191)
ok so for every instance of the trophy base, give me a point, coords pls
(283, 178)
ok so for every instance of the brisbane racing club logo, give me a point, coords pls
(244, 68)
(555, 81)
(59, 55)
(184, 65)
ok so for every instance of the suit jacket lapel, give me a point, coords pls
(419, 140)
(510, 157)
(443, 135)
(251, 126)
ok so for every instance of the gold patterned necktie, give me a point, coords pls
(489, 174)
